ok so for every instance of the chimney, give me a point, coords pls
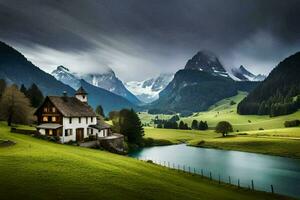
(65, 96)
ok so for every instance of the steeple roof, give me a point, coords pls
(81, 91)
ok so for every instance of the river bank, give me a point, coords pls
(280, 142)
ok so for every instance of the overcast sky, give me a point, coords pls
(139, 39)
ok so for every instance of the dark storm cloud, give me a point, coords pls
(156, 35)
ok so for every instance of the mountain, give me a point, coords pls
(243, 74)
(206, 61)
(107, 81)
(15, 68)
(279, 93)
(193, 90)
(148, 90)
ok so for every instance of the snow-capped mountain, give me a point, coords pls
(243, 74)
(148, 90)
(208, 62)
(107, 81)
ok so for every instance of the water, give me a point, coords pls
(282, 173)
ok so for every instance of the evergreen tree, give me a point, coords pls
(181, 125)
(35, 95)
(194, 124)
(131, 126)
(23, 89)
(14, 106)
(100, 111)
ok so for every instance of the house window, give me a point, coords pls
(68, 132)
(90, 131)
(50, 132)
(45, 109)
(86, 120)
(53, 109)
(92, 119)
(79, 119)
(70, 120)
(53, 119)
(45, 119)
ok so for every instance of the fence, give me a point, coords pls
(206, 174)
(23, 131)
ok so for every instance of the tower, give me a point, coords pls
(81, 95)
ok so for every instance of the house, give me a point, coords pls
(69, 118)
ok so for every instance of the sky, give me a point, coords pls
(139, 39)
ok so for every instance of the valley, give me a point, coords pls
(252, 133)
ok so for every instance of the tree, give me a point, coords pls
(131, 126)
(224, 127)
(100, 111)
(2, 86)
(35, 95)
(23, 89)
(181, 125)
(194, 124)
(14, 106)
(203, 125)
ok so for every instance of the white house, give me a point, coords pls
(70, 118)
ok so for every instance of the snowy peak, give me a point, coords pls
(208, 62)
(243, 74)
(107, 81)
(148, 90)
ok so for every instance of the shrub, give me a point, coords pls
(261, 129)
(232, 103)
(292, 123)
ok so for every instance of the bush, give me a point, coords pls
(292, 123)
(261, 129)
(232, 103)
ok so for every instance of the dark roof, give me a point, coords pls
(72, 107)
(100, 126)
(81, 91)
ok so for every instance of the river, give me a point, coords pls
(264, 170)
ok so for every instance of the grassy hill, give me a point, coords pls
(37, 169)
(222, 110)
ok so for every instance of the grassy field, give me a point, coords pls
(280, 142)
(37, 169)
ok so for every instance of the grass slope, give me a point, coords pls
(37, 169)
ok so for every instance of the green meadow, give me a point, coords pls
(38, 169)
(252, 133)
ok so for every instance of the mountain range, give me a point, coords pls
(201, 83)
(243, 74)
(147, 91)
(107, 81)
(16, 69)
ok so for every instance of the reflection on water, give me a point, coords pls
(282, 173)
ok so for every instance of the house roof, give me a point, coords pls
(81, 91)
(100, 126)
(49, 126)
(71, 106)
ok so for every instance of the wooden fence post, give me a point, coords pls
(238, 183)
(210, 176)
(219, 179)
(229, 180)
(252, 184)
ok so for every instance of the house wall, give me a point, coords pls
(74, 125)
(101, 133)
